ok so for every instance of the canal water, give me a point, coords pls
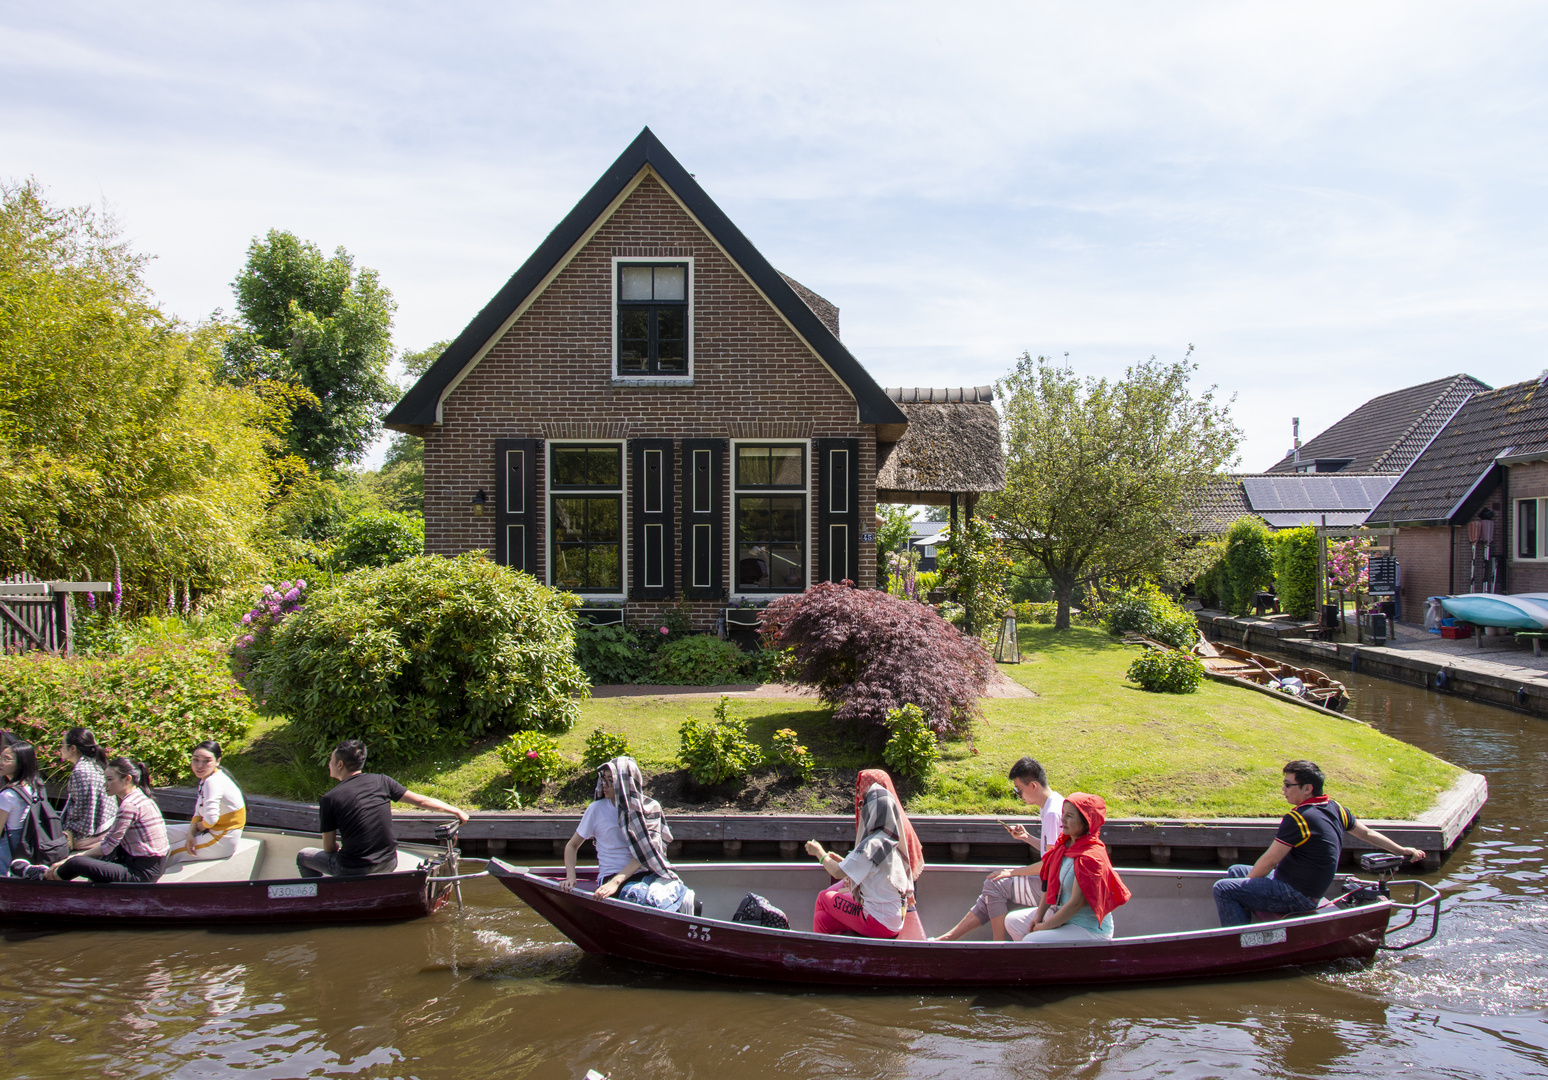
(496, 992)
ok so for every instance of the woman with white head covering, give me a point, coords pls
(875, 882)
(647, 878)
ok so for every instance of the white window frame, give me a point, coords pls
(1541, 504)
(635, 379)
(807, 527)
(624, 505)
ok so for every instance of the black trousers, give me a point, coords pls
(116, 869)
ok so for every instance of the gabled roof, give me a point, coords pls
(1285, 501)
(420, 407)
(1387, 433)
(1445, 483)
(952, 446)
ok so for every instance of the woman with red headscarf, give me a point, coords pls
(875, 881)
(1081, 889)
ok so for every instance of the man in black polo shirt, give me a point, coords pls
(1296, 870)
(356, 818)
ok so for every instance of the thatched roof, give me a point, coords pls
(951, 446)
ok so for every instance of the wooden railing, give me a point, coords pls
(40, 614)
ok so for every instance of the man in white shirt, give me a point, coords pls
(1019, 887)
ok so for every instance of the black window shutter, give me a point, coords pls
(838, 510)
(516, 504)
(704, 518)
(653, 470)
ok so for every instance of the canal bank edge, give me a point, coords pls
(947, 837)
(1463, 677)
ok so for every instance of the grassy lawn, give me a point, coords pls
(1215, 753)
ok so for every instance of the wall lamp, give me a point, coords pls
(479, 501)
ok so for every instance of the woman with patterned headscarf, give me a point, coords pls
(875, 882)
(647, 877)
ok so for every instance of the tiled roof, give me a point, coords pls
(1387, 433)
(1511, 419)
(1284, 501)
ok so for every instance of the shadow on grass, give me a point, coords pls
(1039, 638)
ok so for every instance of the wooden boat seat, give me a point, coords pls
(239, 866)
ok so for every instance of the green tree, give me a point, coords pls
(1097, 471)
(897, 525)
(1295, 569)
(321, 324)
(1249, 563)
(117, 443)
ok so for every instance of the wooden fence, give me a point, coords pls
(39, 614)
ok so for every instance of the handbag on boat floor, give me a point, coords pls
(755, 909)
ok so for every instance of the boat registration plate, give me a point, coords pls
(288, 892)
(1262, 937)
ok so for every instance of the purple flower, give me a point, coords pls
(301, 583)
(247, 619)
(91, 601)
(268, 590)
(118, 588)
(293, 594)
(532, 755)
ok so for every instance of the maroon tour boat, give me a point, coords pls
(256, 886)
(1168, 930)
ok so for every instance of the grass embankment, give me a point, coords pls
(1215, 753)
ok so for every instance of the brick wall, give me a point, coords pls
(550, 376)
(1528, 481)
(1424, 555)
(1427, 571)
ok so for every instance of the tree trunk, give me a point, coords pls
(1064, 591)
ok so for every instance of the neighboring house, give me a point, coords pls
(1385, 434)
(649, 412)
(1340, 476)
(1484, 473)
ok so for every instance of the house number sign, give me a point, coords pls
(868, 538)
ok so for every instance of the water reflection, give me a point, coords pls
(498, 993)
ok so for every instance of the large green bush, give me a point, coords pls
(1295, 570)
(426, 652)
(153, 703)
(1249, 564)
(1149, 611)
(378, 538)
(1174, 672)
(717, 750)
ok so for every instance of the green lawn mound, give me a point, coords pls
(1214, 753)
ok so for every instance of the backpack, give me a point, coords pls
(755, 909)
(43, 838)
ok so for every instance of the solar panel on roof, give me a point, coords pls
(1315, 491)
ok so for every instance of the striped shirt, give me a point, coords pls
(138, 829)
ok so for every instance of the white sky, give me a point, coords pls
(1328, 200)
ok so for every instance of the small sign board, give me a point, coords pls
(868, 538)
(1382, 573)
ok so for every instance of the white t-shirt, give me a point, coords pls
(1052, 816)
(880, 900)
(599, 824)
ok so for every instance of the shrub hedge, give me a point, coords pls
(1173, 672)
(153, 703)
(425, 652)
(1149, 611)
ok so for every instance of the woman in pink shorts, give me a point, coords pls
(875, 882)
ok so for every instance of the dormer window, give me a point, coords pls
(652, 319)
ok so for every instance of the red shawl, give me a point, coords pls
(909, 840)
(1094, 873)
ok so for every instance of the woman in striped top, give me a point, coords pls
(219, 811)
(135, 848)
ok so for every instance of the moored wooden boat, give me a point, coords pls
(256, 886)
(1232, 664)
(1168, 930)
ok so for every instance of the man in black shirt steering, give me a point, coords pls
(356, 819)
(1296, 870)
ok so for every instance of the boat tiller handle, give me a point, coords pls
(1413, 910)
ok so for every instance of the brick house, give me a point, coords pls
(1472, 510)
(650, 413)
